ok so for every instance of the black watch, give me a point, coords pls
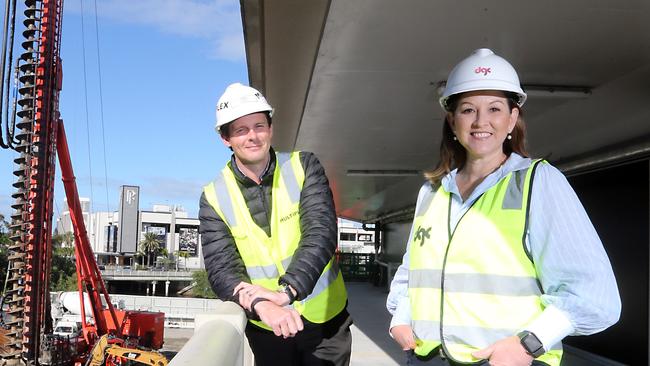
(531, 343)
(287, 290)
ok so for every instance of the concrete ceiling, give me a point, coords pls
(356, 81)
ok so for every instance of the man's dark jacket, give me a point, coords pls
(318, 224)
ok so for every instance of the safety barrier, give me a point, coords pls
(388, 270)
(357, 266)
(218, 339)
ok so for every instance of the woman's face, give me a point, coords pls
(481, 121)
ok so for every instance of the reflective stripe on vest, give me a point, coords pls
(267, 258)
(475, 285)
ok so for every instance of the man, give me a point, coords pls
(268, 229)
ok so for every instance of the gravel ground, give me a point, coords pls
(175, 339)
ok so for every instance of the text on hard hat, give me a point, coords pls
(483, 70)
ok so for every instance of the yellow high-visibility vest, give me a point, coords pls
(476, 285)
(266, 258)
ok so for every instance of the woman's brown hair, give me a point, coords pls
(453, 154)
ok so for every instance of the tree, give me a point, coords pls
(67, 252)
(162, 258)
(182, 254)
(4, 225)
(149, 245)
(63, 240)
(66, 283)
(202, 287)
(63, 275)
(64, 244)
(140, 254)
(4, 242)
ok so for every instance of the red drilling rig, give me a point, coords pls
(34, 129)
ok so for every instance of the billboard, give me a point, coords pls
(110, 233)
(188, 240)
(129, 209)
(159, 231)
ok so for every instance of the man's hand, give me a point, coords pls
(248, 292)
(286, 322)
(403, 335)
(506, 352)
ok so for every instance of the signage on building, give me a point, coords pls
(188, 240)
(159, 231)
(129, 209)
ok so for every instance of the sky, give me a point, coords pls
(163, 65)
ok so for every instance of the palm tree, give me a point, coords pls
(64, 244)
(140, 254)
(63, 240)
(149, 244)
(183, 254)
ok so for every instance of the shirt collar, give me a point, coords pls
(268, 172)
(513, 163)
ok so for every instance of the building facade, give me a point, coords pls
(116, 237)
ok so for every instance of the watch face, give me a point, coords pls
(532, 345)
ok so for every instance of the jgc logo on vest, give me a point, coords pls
(289, 216)
(422, 234)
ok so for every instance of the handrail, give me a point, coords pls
(142, 273)
(218, 339)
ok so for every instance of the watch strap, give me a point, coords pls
(531, 343)
(287, 290)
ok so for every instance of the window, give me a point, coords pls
(110, 233)
(364, 237)
(347, 236)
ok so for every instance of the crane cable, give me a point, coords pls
(83, 52)
(101, 108)
(5, 74)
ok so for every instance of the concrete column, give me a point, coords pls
(172, 233)
(153, 292)
(167, 288)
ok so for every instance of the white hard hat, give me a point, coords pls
(239, 100)
(482, 70)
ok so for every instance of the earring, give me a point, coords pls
(509, 137)
(455, 138)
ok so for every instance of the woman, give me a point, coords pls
(498, 270)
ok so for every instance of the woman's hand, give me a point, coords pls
(248, 292)
(403, 335)
(505, 352)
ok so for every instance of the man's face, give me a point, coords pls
(250, 138)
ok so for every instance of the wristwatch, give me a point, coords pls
(287, 290)
(531, 343)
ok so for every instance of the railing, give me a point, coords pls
(357, 266)
(145, 273)
(218, 339)
(386, 272)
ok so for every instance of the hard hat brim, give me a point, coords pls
(477, 85)
(240, 112)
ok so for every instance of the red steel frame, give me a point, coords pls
(89, 278)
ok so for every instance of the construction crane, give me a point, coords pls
(33, 127)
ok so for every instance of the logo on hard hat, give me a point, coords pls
(222, 105)
(483, 70)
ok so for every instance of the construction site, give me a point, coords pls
(358, 84)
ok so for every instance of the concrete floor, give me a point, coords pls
(371, 343)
